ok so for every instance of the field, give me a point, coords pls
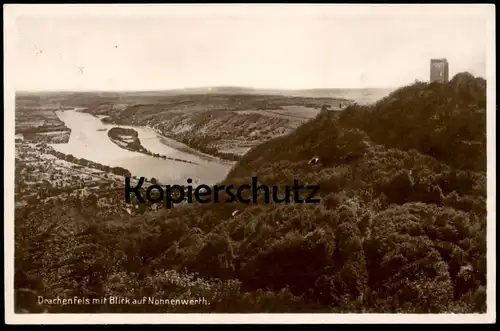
(40, 125)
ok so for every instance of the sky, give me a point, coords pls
(285, 47)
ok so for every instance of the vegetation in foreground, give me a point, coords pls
(401, 226)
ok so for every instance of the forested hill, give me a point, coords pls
(444, 121)
(401, 226)
(402, 223)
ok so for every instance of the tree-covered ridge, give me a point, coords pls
(446, 121)
(401, 227)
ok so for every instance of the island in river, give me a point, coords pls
(128, 139)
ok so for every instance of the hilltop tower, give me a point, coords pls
(439, 70)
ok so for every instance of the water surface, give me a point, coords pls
(89, 140)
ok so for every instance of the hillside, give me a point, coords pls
(401, 226)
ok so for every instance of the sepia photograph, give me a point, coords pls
(249, 163)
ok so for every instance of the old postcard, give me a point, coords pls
(249, 164)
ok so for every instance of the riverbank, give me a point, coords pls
(173, 143)
(225, 126)
(89, 140)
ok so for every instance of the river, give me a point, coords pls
(89, 140)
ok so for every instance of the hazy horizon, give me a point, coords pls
(264, 48)
(206, 88)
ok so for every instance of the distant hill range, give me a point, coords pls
(360, 95)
